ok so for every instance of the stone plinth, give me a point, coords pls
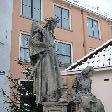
(54, 107)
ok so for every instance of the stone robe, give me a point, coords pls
(45, 71)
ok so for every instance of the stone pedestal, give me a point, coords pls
(54, 107)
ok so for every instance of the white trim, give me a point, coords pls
(20, 41)
(93, 18)
(69, 44)
(21, 7)
(42, 11)
(19, 45)
(70, 18)
(72, 72)
(60, 6)
(70, 12)
(63, 41)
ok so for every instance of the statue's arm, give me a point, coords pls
(37, 29)
(90, 86)
(75, 84)
(35, 42)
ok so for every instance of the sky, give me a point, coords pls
(104, 5)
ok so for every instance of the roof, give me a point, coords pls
(82, 5)
(101, 57)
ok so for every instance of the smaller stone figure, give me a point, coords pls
(81, 93)
(82, 83)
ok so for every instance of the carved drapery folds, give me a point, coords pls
(45, 71)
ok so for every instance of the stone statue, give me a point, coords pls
(45, 73)
(81, 93)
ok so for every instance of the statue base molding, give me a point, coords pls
(55, 106)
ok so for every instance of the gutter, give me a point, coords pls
(74, 72)
(75, 4)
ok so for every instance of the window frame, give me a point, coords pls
(41, 11)
(63, 7)
(71, 51)
(94, 19)
(21, 61)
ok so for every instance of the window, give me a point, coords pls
(24, 48)
(63, 15)
(31, 9)
(62, 49)
(93, 27)
(27, 99)
(63, 52)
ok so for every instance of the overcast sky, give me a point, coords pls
(104, 5)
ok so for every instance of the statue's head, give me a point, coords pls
(51, 23)
(87, 71)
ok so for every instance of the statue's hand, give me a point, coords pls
(76, 98)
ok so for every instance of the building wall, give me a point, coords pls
(104, 30)
(20, 24)
(102, 88)
(5, 47)
(77, 35)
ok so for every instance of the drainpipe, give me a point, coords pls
(84, 36)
